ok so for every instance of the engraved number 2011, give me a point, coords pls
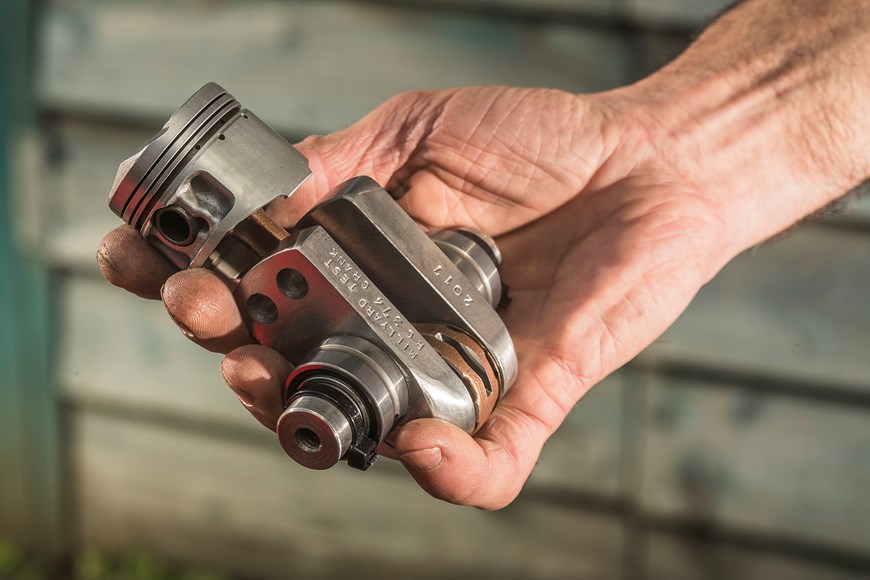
(454, 287)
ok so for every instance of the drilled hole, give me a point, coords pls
(307, 440)
(292, 284)
(222, 136)
(262, 309)
(175, 225)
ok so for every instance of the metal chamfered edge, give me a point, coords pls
(133, 188)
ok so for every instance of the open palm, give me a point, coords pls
(603, 247)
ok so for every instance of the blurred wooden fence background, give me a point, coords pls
(738, 446)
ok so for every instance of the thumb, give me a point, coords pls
(487, 471)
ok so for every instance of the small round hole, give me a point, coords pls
(222, 136)
(262, 309)
(175, 225)
(292, 284)
(197, 147)
(307, 440)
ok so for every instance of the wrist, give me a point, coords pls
(769, 132)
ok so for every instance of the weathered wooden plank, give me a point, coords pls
(858, 205)
(121, 351)
(118, 348)
(585, 454)
(654, 50)
(673, 558)
(684, 12)
(544, 7)
(794, 308)
(302, 66)
(797, 307)
(76, 181)
(769, 464)
(249, 511)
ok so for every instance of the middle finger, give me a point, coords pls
(204, 309)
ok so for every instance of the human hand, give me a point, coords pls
(611, 211)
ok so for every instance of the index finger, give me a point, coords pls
(129, 262)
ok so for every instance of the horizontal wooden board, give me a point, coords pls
(74, 186)
(673, 558)
(543, 7)
(125, 353)
(118, 348)
(586, 453)
(682, 12)
(655, 50)
(796, 307)
(302, 66)
(795, 468)
(857, 207)
(249, 511)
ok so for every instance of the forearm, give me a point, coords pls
(768, 112)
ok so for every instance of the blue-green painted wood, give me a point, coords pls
(29, 467)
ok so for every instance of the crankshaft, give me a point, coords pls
(384, 323)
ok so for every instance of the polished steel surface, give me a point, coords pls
(477, 261)
(342, 300)
(366, 366)
(383, 323)
(314, 432)
(375, 388)
(213, 161)
(408, 266)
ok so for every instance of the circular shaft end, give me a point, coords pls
(314, 432)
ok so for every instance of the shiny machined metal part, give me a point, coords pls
(364, 391)
(211, 166)
(311, 291)
(383, 323)
(321, 433)
(477, 256)
(408, 266)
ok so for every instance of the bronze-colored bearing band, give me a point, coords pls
(477, 373)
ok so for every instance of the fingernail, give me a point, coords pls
(181, 326)
(245, 398)
(424, 459)
(184, 330)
